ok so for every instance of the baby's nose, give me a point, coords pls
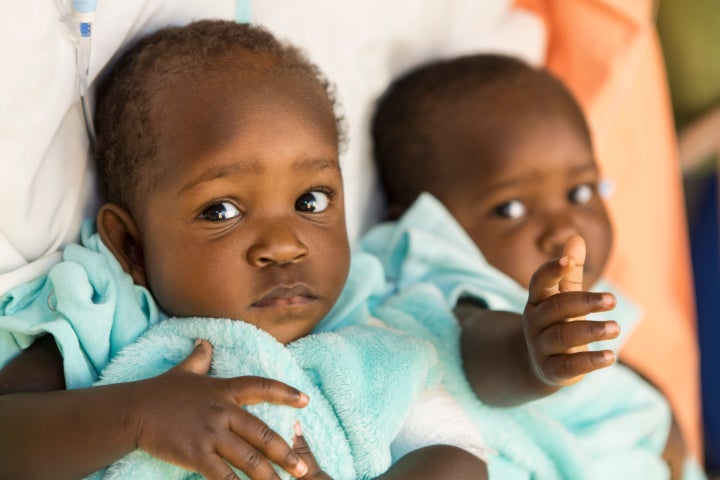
(278, 244)
(556, 232)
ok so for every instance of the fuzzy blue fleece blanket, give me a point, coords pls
(361, 379)
(612, 424)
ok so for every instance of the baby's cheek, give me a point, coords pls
(600, 244)
(516, 266)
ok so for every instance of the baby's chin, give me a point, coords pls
(286, 328)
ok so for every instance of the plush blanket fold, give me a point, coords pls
(362, 381)
(611, 425)
(87, 302)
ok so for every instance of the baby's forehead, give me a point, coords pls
(492, 119)
(480, 142)
(226, 88)
(192, 115)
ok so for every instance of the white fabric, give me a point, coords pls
(47, 185)
(438, 419)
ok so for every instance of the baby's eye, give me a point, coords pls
(217, 212)
(581, 194)
(513, 209)
(312, 202)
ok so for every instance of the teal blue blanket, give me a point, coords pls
(361, 379)
(613, 424)
(87, 302)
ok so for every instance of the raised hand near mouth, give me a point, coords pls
(510, 359)
(554, 321)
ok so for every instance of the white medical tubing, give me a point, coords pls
(84, 14)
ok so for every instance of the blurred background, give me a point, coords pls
(689, 32)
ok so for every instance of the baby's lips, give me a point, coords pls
(281, 292)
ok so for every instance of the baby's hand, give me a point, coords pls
(556, 332)
(197, 422)
(301, 447)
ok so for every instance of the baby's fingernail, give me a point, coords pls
(297, 429)
(304, 399)
(564, 261)
(301, 469)
(608, 300)
(612, 328)
(608, 356)
(198, 341)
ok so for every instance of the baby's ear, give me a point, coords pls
(120, 234)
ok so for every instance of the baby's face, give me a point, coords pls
(247, 221)
(521, 200)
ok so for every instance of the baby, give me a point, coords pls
(488, 167)
(217, 147)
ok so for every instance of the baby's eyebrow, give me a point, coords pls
(221, 171)
(510, 183)
(531, 178)
(317, 164)
(589, 167)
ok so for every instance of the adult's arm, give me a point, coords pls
(434, 462)
(38, 368)
(182, 416)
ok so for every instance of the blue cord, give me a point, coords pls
(242, 11)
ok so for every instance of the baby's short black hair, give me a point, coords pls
(406, 147)
(126, 136)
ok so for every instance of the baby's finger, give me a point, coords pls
(545, 282)
(215, 468)
(574, 248)
(243, 456)
(301, 447)
(569, 305)
(250, 390)
(199, 359)
(561, 337)
(257, 436)
(567, 369)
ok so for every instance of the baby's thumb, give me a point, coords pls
(199, 359)
(573, 280)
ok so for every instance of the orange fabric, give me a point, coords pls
(608, 54)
